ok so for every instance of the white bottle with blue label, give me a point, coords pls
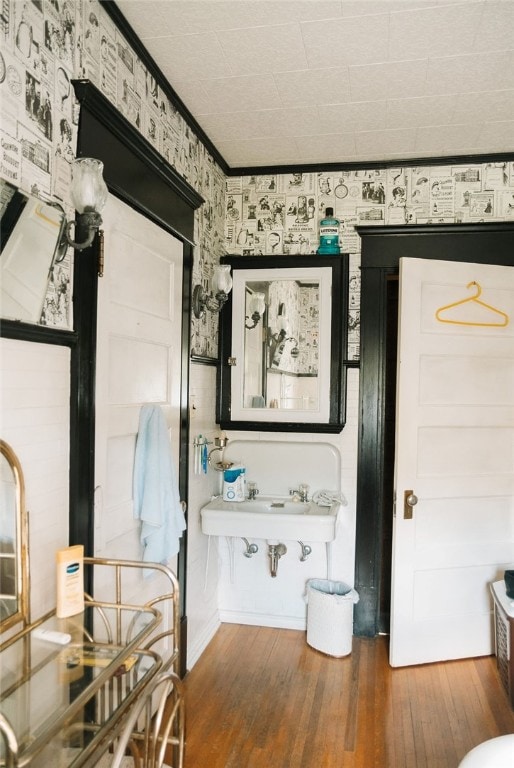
(70, 581)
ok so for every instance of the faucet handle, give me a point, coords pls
(301, 493)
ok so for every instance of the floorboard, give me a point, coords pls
(261, 697)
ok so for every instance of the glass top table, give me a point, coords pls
(60, 705)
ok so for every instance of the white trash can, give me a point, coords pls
(330, 616)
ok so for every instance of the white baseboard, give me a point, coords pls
(263, 620)
(196, 648)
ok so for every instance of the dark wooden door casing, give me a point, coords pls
(382, 248)
(137, 175)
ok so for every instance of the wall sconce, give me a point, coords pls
(221, 285)
(276, 337)
(88, 194)
(256, 307)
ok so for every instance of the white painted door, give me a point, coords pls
(455, 453)
(138, 362)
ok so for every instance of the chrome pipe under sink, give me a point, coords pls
(275, 552)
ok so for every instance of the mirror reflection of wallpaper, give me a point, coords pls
(299, 304)
(280, 213)
(44, 45)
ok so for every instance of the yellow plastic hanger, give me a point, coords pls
(499, 324)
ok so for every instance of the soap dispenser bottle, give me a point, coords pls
(328, 233)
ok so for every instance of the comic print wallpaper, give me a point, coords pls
(44, 45)
(47, 43)
(280, 214)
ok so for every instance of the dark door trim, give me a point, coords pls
(382, 248)
(135, 174)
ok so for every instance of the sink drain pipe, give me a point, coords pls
(275, 552)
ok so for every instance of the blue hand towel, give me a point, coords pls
(156, 494)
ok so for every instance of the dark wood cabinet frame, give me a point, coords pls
(339, 329)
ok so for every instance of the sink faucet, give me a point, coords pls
(302, 492)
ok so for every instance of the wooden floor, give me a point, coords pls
(262, 698)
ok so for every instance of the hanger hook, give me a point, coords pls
(479, 289)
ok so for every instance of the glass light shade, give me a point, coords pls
(257, 304)
(283, 323)
(88, 189)
(221, 279)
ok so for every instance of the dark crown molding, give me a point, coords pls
(368, 165)
(100, 107)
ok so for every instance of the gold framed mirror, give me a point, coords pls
(14, 572)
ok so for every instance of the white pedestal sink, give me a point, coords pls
(271, 518)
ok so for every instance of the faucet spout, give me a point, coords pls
(302, 492)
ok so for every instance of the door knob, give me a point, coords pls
(409, 502)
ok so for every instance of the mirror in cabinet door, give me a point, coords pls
(283, 337)
(33, 289)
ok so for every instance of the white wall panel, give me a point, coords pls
(34, 420)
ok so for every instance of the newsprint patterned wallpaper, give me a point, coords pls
(280, 213)
(47, 43)
(44, 45)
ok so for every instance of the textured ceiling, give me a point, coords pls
(289, 82)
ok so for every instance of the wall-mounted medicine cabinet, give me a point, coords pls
(283, 336)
